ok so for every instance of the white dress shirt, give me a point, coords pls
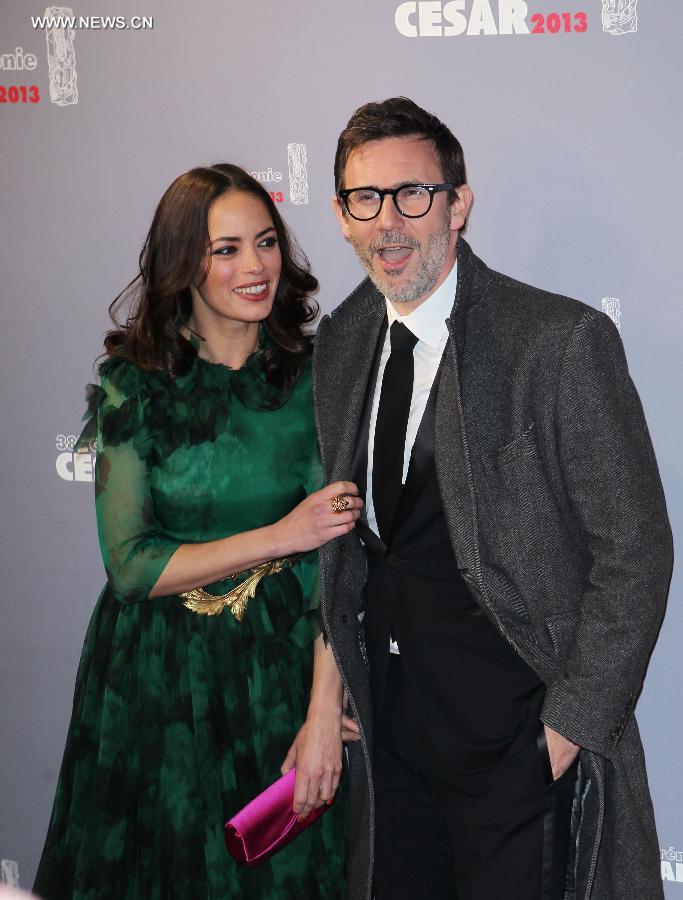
(428, 324)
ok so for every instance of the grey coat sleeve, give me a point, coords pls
(614, 488)
(319, 352)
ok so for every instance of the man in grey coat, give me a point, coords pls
(493, 612)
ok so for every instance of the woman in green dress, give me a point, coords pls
(187, 700)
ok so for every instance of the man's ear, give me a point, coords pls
(341, 217)
(460, 208)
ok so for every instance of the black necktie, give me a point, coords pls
(391, 427)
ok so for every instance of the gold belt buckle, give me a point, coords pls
(204, 604)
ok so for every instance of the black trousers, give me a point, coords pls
(497, 834)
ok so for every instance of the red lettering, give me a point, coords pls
(554, 22)
(19, 93)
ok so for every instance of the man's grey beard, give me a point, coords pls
(429, 268)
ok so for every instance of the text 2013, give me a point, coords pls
(20, 93)
(552, 23)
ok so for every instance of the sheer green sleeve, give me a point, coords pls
(134, 548)
(307, 571)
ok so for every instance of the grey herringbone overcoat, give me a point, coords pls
(558, 523)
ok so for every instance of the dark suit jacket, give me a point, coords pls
(558, 522)
(478, 700)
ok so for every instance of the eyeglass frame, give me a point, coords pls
(431, 188)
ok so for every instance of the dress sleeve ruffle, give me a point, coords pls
(135, 549)
(156, 414)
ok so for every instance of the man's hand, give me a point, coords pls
(562, 752)
(349, 729)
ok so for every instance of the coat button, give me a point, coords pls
(393, 561)
(345, 619)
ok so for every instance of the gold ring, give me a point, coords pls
(340, 503)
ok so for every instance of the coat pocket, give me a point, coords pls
(518, 449)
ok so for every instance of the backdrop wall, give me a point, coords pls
(568, 111)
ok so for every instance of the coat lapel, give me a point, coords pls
(451, 460)
(450, 437)
(343, 375)
(359, 470)
(441, 429)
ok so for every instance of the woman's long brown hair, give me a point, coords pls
(174, 253)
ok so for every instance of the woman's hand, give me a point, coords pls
(315, 521)
(317, 755)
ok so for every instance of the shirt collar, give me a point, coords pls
(428, 321)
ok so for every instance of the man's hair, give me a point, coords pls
(399, 117)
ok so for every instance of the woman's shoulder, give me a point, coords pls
(159, 412)
(119, 404)
(121, 379)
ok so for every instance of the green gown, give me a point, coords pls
(179, 719)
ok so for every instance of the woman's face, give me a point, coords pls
(243, 260)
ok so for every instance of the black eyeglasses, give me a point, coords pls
(411, 200)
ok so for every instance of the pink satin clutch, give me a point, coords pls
(267, 823)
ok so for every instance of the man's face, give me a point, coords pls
(406, 259)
